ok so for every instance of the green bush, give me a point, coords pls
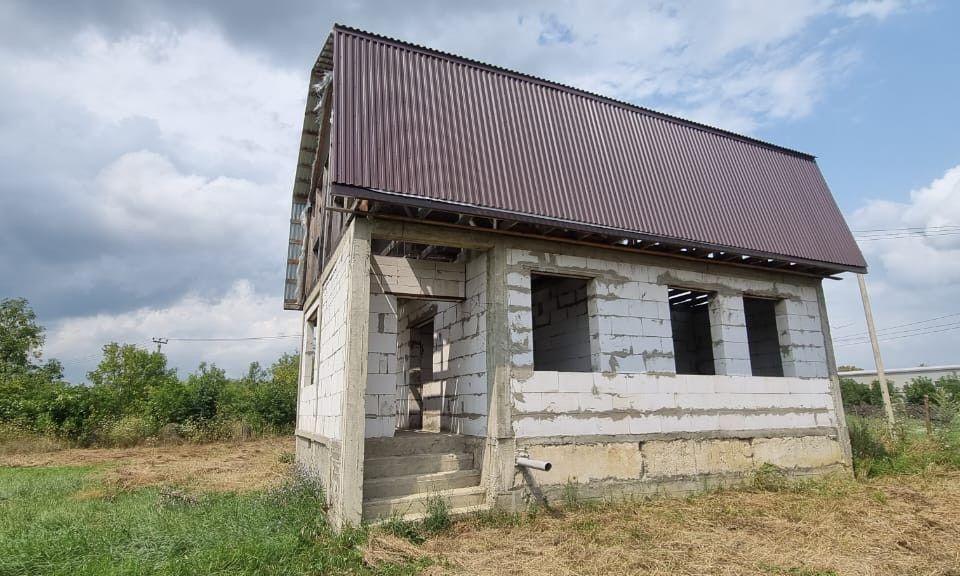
(865, 438)
(918, 388)
(854, 393)
(438, 516)
(950, 386)
(125, 432)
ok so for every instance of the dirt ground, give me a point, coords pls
(239, 466)
(908, 525)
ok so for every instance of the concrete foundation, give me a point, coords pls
(610, 469)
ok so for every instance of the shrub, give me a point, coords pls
(769, 478)
(405, 529)
(571, 494)
(854, 393)
(950, 385)
(919, 387)
(127, 431)
(438, 515)
(865, 439)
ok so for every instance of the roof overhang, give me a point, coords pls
(399, 206)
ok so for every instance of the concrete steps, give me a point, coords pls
(393, 466)
(408, 442)
(401, 475)
(415, 505)
(396, 486)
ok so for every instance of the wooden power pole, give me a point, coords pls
(868, 312)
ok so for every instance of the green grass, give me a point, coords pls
(60, 521)
(909, 450)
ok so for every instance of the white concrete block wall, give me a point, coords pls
(307, 395)
(422, 278)
(382, 367)
(460, 360)
(798, 323)
(583, 404)
(728, 328)
(321, 408)
(630, 314)
(636, 389)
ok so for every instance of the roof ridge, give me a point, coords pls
(574, 90)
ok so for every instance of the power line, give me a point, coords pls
(274, 337)
(901, 236)
(896, 326)
(923, 330)
(887, 339)
(906, 232)
(948, 226)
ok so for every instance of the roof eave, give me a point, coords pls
(402, 199)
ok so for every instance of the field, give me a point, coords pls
(233, 509)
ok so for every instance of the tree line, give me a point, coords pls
(940, 392)
(132, 394)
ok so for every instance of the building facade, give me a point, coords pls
(900, 377)
(492, 267)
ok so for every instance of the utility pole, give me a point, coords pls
(160, 342)
(868, 312)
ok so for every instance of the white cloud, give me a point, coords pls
(878, 9)
(215, 105)
(142, 194)
(732, 63)
(912, 278)
(239, 313)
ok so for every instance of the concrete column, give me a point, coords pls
(353, 421)
(499, 453)
(801, 339)
(728, 330)
(843, 435)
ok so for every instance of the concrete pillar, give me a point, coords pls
(801, 339)
(728, 330)
(499, 453)
(843, 435)
(353, 421)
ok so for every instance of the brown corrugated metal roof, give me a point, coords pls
(437, 127)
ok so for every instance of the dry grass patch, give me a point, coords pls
(890, 526)
(241, 466)
(15, 440)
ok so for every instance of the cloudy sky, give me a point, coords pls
(147, 149)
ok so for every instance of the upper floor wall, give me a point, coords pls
(631, 323)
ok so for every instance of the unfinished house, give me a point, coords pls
(509, 285)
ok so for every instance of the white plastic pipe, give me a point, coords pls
(536, 464)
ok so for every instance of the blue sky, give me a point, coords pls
(147, 154)
(891, 124)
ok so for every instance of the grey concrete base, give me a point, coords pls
(523, 498)
(320, 458)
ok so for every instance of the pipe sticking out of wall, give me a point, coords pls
(535, 464)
